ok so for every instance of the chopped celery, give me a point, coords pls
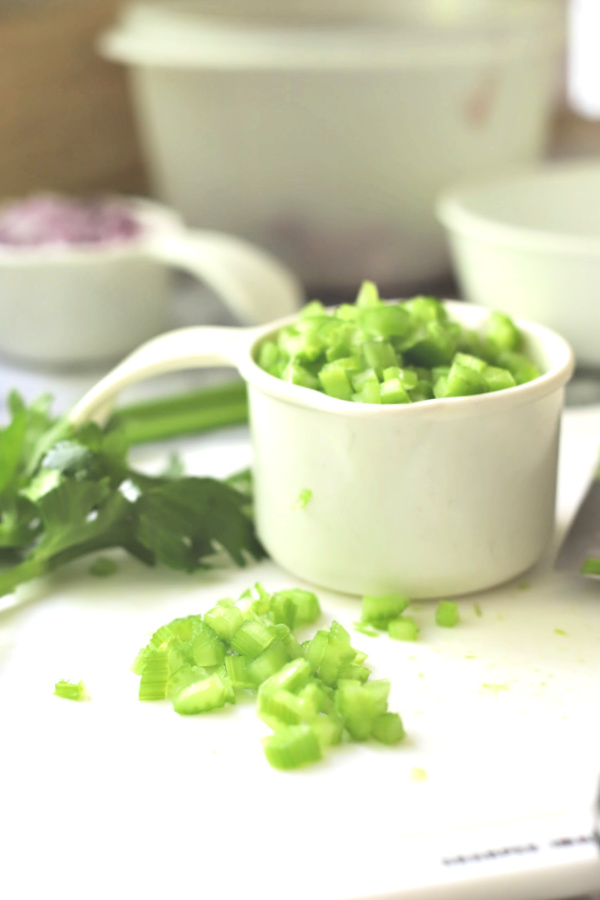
(252, 639)
(207, 647)
(502, 333)
(446, 614)
(388, 728)
(201, 696)
(313, 696)
(395, 352)
(334, 382)
(305, 603)
(71, 690)
(267, 663)
(155, 675)
(224, 621)
(382, 608)
(403, 629)
(292, 747)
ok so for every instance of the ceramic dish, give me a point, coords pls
(435, 498)
(528, 242)
(74, 305)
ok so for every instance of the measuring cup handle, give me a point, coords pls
(255, 285)
(184, 348)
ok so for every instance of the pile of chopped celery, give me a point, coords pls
(313, 695)
(404, 352)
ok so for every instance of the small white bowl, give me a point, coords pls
(70, 306)
(436, 498)
(528, 243)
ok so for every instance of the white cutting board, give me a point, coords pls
(123, 799)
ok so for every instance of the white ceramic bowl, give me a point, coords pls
(79, 305)
(528, 242)
(437, 498)
(325, 131)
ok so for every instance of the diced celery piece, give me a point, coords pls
(268, 355)
(224, 621)
(182, 677)
(385, 321)
(337, 653)
(312, 309)
(464, 381)
(328, 728)
(295, 373)
(315, 648)
(355, 671)
(207, 647)
(252, 639)
(391, 391)
(355, 707)
(258, 596)
(293, 677)
(281, 708)
(201, 696)
(521, 368)
(71, 690)
(434, 347)
(383, 607)
(388, 728)
(446, 614)
(502, 332)
(267, 663)
(471, 362)
(369, 393)
(236, 669)
(335, 382)
(283, 609)
(426, 309)
(498, 379)
(407, 378)
(403, 629)
(440, 388)
(368, 295)
(292, 747)
(361, 378)
(379, 355)
(423, 390)
(140, 661)
(306, 605)
(378, 692)
(155, 674)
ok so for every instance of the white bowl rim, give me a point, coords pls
(445, 408)
(452, 210)
(147, 35)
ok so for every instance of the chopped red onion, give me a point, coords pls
(48, 219)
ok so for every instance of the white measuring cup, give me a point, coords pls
(435, 498)
(78, 305)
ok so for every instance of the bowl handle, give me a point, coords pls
(185, 348)
(255, 285)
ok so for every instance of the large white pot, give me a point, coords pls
(325, 135)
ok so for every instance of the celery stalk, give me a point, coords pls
(194, 412)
